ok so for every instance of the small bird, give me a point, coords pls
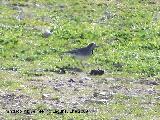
(83, 53)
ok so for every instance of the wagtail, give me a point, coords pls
(84, 52)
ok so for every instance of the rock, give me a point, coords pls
(97, 72)
(46, 96)
(71, 80)
(102, 93)
(86, 78)
(110, 79)
(76, 89)
(47, 33)
(99, 101)
(61, 71)
(95, 94)
(80, 81)
(152, 83)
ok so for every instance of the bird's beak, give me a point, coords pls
(97, 46)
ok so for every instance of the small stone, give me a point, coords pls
(46, 96)
(102, 93)
(34, 102)
(76, 89)
(152, 83)
(61, 71)
(55, 88)
(110, 79)
(46, 33)
(99, 101)
(95, 94)
(80, 81)
(86, 78)
(97, 72)
(71, 80)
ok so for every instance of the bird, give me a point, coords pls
(83, 53)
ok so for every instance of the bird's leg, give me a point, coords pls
(82, 64)
(61, 55)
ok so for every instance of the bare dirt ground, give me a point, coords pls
(78, 91)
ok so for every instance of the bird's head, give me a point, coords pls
(92, 45)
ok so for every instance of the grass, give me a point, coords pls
(128, 35)
(128, 32)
